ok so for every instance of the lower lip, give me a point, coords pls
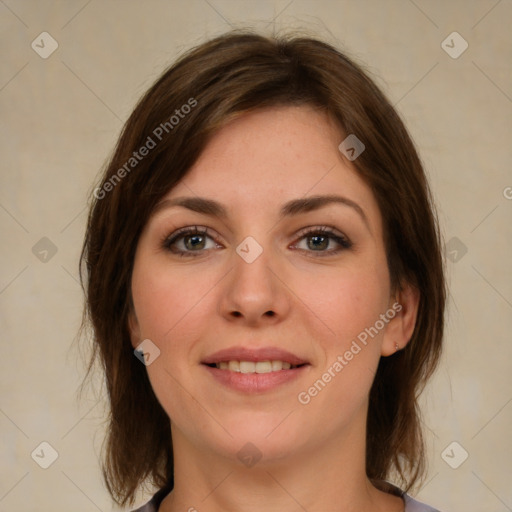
(255, 382)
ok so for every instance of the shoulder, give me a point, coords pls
(153, 504)
(411, 505)
(148, 507)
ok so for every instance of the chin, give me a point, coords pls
(265, 438)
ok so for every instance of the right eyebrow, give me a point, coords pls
(196, 204)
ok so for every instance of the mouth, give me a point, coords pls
(255, 367)
(254, 370)
(254, 360)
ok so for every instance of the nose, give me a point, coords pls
(255, 292)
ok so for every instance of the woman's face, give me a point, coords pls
(237, 263)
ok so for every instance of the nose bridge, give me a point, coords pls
(254, 291)
(252, 268)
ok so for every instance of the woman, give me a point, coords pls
(265, 283)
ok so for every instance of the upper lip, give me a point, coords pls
(254, 355)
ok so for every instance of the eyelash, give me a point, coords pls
(324, 231)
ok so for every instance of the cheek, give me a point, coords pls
(349, 304)
(348, 301)
(170, 306)
(164, 298)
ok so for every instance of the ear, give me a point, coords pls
(133, 327)
(401, 326)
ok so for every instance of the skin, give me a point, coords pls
(312, 456)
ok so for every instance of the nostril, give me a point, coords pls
(270, 313)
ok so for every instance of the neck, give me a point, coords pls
(317, 478)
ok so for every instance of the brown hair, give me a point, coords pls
(219, 80)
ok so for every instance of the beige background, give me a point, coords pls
(60, 119)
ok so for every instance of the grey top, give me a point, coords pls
(411, 505)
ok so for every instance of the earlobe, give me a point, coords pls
(133, 326)
(401, 326)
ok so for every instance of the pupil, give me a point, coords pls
(194, 241)
(316, 239)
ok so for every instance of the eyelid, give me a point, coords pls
(203, 230)
(322, 228)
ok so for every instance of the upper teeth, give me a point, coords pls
(252, 367)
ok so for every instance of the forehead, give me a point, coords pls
(265, 158)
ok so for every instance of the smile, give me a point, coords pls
(249, 369)
(254, 367)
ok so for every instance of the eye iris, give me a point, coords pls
(195, 241)
(318, 242)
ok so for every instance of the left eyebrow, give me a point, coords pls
(308, 204)
(291, 208)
